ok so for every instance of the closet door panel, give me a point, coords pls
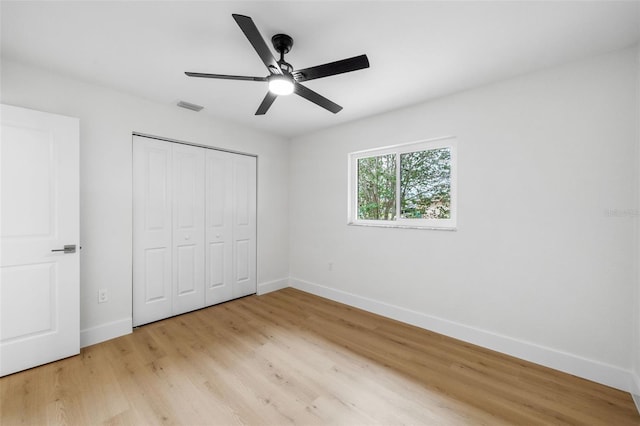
(243, 248)
(188, 228)
(244, 225)
(216, 265)
(152, 200)
(219, 227)
(156, 263)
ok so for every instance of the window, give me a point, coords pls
(410, 185)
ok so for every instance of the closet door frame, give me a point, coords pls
(248, 282)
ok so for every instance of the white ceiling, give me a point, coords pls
(418, 50)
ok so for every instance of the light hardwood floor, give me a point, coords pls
(293, 358)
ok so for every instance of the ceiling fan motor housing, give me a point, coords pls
(282, 43)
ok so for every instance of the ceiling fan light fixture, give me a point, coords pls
(281, 85)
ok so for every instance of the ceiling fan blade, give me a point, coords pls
(266, 103)
(225, 76)
(332, 68)
(253, 35)
(317, 99)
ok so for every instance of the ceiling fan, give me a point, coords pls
(283, 79)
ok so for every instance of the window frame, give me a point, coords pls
(424, 145)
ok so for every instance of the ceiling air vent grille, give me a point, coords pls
(192, 107)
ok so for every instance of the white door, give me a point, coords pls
(39, 279)
(152, 230)
(231, 226)
(188, 227)
(219, 227)
(244, 225)
(168, 230)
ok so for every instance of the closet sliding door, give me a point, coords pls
(194, 228)
(219, 227)
(244, 225)
(152, 230)
(188, 227)
(230, 226)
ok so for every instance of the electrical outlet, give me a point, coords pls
(103, 295)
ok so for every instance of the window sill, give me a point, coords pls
(403, 226)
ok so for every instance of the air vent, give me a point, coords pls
(192, 107)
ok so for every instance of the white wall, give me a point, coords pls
(542, 264)
(636, 322)
(107, 120)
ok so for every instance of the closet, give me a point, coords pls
(194, 227)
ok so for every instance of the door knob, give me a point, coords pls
(71, 248)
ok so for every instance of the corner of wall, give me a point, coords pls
(635, 390)
(104, 332)
(269, 286)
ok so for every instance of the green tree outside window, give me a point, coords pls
(424, 188)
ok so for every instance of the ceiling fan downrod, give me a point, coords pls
(283, 43)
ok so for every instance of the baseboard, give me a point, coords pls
(104, 332)
(588, 369)
(635, 391)
(269, 286)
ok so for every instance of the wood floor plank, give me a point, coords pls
(289, 357)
